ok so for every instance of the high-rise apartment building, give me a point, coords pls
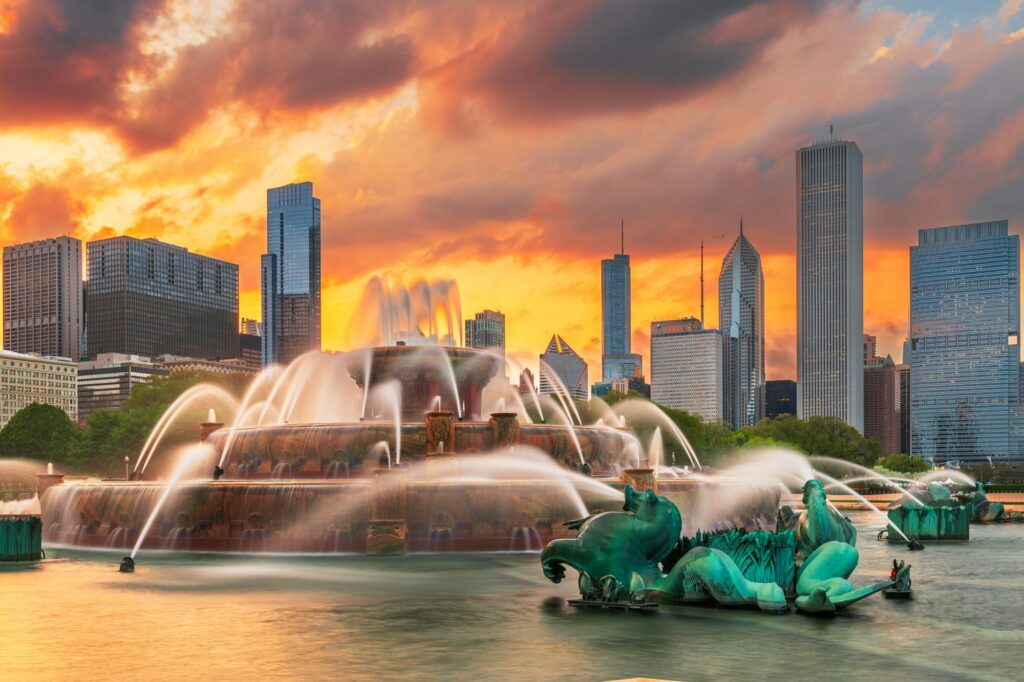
(43, 307)
(964, 342)
(486, 331)
(617, 359)
(290, 274)
(30, 378)
(146, 297)
(561, 361)
(830, 281)
(741, 316)
(882, 417)
(686, 367)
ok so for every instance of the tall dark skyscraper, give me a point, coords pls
(741, 317)
(43, 297)
(617, 360)
(290, 274)
(146, 297)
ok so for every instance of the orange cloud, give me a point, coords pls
(501, 143)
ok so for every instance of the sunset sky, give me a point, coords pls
(500, 143)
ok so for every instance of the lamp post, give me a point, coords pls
(126, 467)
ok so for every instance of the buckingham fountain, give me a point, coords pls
(416, 444)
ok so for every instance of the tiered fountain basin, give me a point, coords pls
(347, 450)
(345, 515)
(422, 471)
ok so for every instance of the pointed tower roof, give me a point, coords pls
(558, 345)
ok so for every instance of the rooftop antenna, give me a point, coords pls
(622, 237)
(701, 283)
(829, 132)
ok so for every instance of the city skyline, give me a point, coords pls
(678, 157)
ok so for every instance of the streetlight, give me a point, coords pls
(126, 467)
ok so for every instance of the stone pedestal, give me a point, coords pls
(207, 428)
(504, 430)
(440, 432)
(642, 480)
(388, 509)
(388, 495)
(44, 481)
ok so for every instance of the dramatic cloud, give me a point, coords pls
(501, 143)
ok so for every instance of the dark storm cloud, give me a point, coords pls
(69, 62)
(63, 61)
(575, 58)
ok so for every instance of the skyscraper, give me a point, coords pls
(964, 342)
(486, 331)
(780, 397)
(741, 316)
(686, 367)
(146, 297)
(830, 281)
(560, 360)
(290, 274)
(882, 404)
(43, 297)
(617, 360)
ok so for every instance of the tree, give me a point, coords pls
(907, 464)
(42, 432)
(824, 436)
(112, 435)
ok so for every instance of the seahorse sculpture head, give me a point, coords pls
(819, 524)
(656, 521)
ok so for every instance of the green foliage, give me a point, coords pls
(825, 436)
(111, 435)
(41, 432)
(907, 464)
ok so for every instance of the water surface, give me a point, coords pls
(472, 617)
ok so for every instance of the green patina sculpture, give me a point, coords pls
(935, 512)
(618, 555)
(819, 523)
(985, 511)
(637, 555)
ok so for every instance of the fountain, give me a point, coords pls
(412, 444)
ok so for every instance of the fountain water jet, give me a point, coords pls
(189, 457)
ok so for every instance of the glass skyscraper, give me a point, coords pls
(741, 316)
(290, 274)
(146, 297)
(964, 342)
(486, 331)
(617, 361)
(830, 281)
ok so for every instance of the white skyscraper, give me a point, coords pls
(686, 367)
(830, 281)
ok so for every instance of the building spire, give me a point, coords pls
(701, 283)
(741, 224)
(622, 237)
